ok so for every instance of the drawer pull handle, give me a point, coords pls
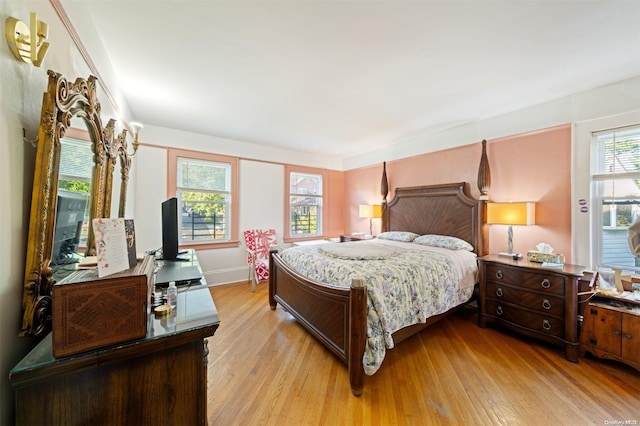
(546, 325)
(545, 283)
(627, 335)
(499, 310)
(499, 275)
(499, 292)
(546, 304)
(616, 332)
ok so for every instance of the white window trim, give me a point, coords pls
(582, 239)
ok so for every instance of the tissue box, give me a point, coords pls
(540, 257)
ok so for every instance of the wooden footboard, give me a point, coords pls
(336, 316)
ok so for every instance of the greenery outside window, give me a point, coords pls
(615, 181)
(206, 188)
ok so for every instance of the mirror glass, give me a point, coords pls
(72, 213)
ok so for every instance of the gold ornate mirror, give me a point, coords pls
(63, 102)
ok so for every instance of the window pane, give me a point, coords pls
(203, 216)
(304, 183)
(617, 151)
(305, 215)
(76, 160)
(197, 174)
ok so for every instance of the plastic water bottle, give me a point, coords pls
(172, 295)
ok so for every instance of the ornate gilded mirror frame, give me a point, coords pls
(63, 101)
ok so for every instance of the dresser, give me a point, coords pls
(531, 300)
(158, 379)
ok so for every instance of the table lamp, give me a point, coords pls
(370, 211)
(511, 214)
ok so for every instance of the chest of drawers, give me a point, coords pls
(531, 300)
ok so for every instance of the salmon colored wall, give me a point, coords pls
(335, 190)
(534, 166)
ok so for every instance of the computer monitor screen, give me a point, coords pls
(170, 229)
(69, 221)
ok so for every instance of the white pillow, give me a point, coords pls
(398, 236)
(443, 241)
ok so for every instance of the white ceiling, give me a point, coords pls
(349, 77)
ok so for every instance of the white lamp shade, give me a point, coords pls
(365, 210)
(370, 211)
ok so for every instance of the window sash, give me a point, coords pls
(305, 204)
(204, 192)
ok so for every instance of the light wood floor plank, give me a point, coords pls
(265, 369)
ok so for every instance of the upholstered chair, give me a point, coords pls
(258, 242)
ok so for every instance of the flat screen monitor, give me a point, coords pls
(170, 229)
(68, 228)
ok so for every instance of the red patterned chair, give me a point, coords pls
(258, 242)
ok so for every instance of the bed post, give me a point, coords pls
(272, 278)
(484, 183)
(384, 183)
(357, 336)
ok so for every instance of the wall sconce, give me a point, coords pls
(511, 214)
(370, 211)
(27, 43)
(135, 129)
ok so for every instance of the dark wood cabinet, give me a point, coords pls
(160, 379)
(531, 300)
(611, 329)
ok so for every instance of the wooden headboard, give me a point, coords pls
(443, 209)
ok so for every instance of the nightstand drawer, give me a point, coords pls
(546, 304)
(530, 280)
(513, 314)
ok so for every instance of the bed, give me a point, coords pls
(337, 315)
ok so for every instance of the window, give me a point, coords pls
(305, 202)
(615, 181)
(76, 168)
(206, 188)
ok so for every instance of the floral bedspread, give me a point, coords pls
(404, 288)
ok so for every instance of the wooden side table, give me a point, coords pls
(531, 300)
(611, 329)
(345, 238)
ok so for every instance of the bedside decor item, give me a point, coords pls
(544, 254)
(371, 212)
(511, 214)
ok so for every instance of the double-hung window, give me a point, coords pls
(75, 174)
(615, 189)
(305, 202)
(206, 189)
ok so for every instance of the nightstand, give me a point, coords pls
(359, 237)
(611, 329)
(531, 300)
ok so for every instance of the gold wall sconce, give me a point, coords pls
(27, 43)
(135, 127)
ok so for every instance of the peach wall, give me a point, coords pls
(534, 166)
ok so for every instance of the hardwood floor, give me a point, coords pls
(265, 369)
